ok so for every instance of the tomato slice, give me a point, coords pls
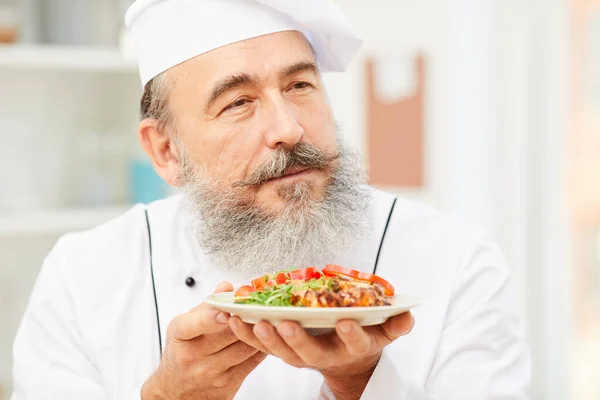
(258, 283)
(269, 280)
(281, 278)
(333, 270)
(305, 274)
(244, 291)
(262, 282)
(388, 287)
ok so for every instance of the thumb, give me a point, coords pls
(394, 328)
(399, 325)
(224, 287)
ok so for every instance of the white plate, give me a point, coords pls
(310, 317)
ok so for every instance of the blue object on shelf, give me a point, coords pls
(145, 184)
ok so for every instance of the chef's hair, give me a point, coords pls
(155, 105)
(155, 102)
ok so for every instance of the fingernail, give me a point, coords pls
(346, 328)
(222, 318)
(224, 287)
(286, 331)
(262, 331)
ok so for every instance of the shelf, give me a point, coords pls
(52, 222)
(67, 58)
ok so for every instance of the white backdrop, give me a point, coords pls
(497, 101)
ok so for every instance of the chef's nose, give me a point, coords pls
(282, 128)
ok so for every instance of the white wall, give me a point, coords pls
(496, 101)
(43, 116)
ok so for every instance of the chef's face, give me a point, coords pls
(255, 115)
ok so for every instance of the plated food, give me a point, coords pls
(333, 286)
(315, 298)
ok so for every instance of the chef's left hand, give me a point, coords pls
(346, 358)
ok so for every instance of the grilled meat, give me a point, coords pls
(342, 293)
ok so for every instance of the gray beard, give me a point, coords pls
(242, 238)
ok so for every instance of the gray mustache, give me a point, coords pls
(284, 159)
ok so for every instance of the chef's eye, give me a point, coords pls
(301, 85)
(237, 104)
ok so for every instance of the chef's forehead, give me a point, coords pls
(252, 61)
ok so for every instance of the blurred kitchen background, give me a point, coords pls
(488, 108)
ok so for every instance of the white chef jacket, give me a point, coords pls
(90, 329)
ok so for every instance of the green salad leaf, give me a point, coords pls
(281, 295)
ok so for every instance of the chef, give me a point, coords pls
(236, 117)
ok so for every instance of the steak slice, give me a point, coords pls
(342, 293)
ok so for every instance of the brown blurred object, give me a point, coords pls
(396, 134)
(584, 165)
(8, 23)
(584, 191)
(8, 34)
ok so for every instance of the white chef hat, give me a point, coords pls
(168, 32)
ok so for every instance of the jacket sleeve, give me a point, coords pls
(50, 360)
(481, 353)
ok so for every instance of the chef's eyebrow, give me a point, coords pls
(302, 66)
(230, 83)
(242, 79)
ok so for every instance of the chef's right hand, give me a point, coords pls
(203, 359)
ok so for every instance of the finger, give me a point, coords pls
(357, 340)
(272, 341)
(222, 317)
(215, 342)
(309, 348)
(248, 366)
(243, 332)
(199, 321)
(224, 287)
(235, 376)
(392, 329)
(232, 355)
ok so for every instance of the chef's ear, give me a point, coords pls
(161, 149)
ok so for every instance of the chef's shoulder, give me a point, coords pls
(116, 250)
(436, 256)
(443, 241)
